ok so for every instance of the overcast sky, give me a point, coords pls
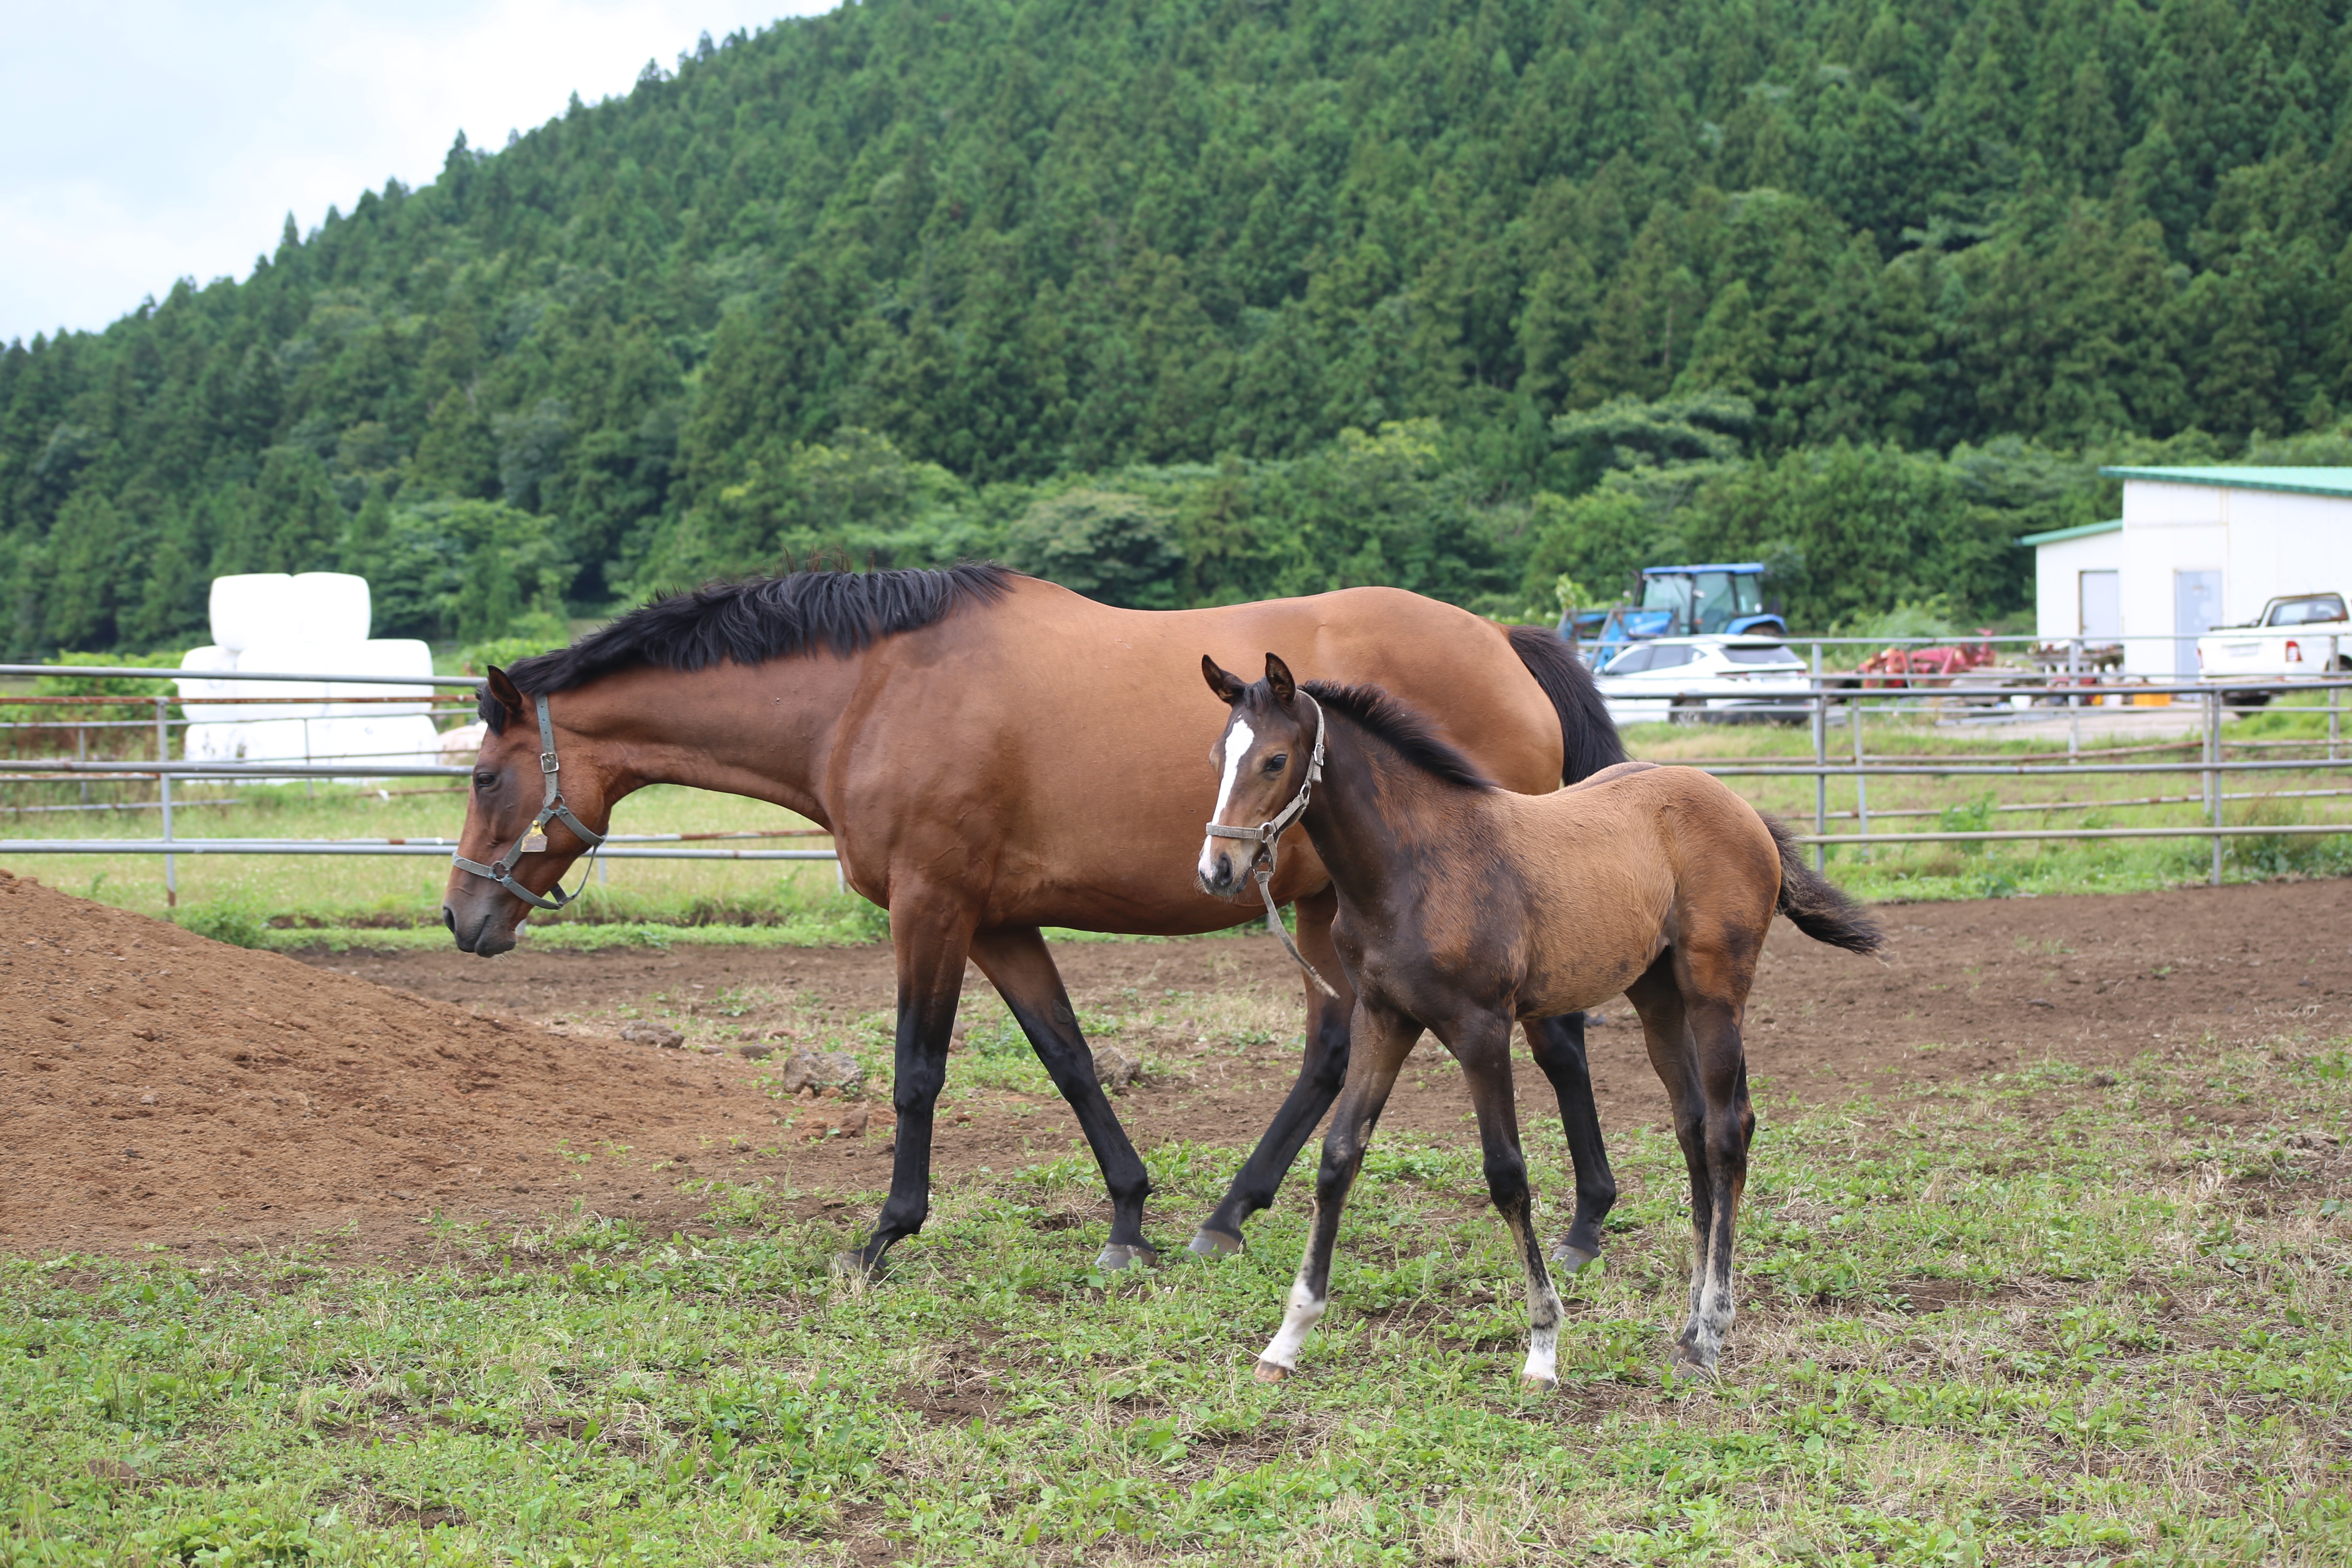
(149, 141)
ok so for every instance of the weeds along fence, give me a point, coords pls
(2062, 688)
(103, 756)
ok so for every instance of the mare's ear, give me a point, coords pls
(500, 688)
(1228, 685)
(1278, 676)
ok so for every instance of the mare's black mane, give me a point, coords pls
(757, 619)
(1405, 732)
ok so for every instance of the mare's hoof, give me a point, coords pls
(1571, 1260)
(1119, 1255)
(1269, 1372)
(1207, 1243)
(852, 1265)
(1538, 1385)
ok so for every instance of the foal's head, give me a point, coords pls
(1261, 760)
(503, 807)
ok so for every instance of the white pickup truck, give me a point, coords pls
(2298, 637)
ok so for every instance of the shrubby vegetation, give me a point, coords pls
(1185, 300)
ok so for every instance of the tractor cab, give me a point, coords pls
(1708, 601)
(1676, 602)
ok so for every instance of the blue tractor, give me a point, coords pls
(1725, 599)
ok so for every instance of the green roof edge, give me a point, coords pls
(2267, 479)
(2079, 531)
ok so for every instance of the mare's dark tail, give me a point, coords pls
(1588, 740)
(1814, 907)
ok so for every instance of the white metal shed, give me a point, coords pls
(2195, 548)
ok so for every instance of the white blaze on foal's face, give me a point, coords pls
(1238, 741)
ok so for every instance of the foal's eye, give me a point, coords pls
(1277, 763)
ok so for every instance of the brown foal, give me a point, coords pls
(994, 754)
(1464, 907)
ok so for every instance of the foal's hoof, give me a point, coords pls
(1538, 1385)
(1571, 1260)
(1269, 1372)
(1687, 1367)
(852, 1265)
(1119, 1255)
(1207, 1243)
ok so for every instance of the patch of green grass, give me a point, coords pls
(2035, 1319)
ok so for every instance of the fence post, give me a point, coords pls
(2334, 711)
(1861, 784)
(163, 757)
(1821, 763)
(2213, 776)
(81, 754)
(2073, 700)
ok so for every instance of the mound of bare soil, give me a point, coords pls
(161, 1087)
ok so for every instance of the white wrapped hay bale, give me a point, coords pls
(331, 608)
(214, 734)
(252, 608)
(388, 656)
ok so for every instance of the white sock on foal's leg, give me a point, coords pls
(1305, 1311)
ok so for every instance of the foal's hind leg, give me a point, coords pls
(1015, 960)
(1693, 1032)
(1382, 1040)
(1483, 1046)
(1558, 1046)
(1321, 1070)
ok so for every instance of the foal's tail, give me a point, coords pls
(1588, 738)
(1816, 907)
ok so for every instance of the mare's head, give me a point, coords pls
(504, 805)
(1261, 761)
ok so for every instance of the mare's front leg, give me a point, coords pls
(1693, 1032)
(1558, 1046)
(1482, 1043)
(1321, 1070)
(1382, 1039)
(1015, 960)
(931, 937)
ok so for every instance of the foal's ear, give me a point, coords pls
(1278, 676)
(500, 688)
(1228, 685)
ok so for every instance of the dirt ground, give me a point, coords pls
(161, 1090)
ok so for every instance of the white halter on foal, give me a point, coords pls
(1264, 835)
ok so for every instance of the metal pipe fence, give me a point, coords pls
(1984, 698)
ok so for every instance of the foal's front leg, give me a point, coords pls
(1381, 1040)
(1483, 1046)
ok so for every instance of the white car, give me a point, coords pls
(2298, 637)
(1690, 680)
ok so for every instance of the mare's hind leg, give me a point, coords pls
(1483, 1046)
(931, 941)
(1382, 1040)
(1015, 960)
(1320, 1072)
(1693, 1032)
(1558, 1046)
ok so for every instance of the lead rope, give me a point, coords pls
(1267, 835)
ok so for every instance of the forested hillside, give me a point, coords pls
(1190, 300)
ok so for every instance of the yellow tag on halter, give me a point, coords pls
(535, 841)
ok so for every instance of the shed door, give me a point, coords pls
(2196, 610)
(2102, 605)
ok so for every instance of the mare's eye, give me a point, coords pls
(1277, 763)
(484, 780)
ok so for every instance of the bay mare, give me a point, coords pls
(992, 754)
(1464, 908)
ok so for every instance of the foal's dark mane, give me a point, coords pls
(1405, 732)
(756, 620)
